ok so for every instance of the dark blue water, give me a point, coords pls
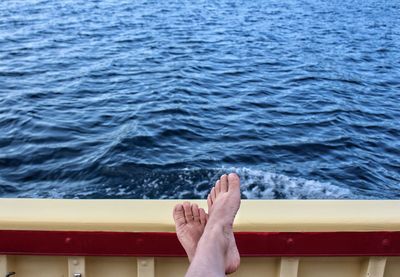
(155, 99)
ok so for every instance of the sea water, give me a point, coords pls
(156, 99)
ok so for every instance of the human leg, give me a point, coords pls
(212, 250)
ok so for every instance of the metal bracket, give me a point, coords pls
(76, 267)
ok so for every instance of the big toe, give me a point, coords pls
(179, 215)
(233, 183)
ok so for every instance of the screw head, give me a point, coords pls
(385, 242)
(139, 241)
(143, 263)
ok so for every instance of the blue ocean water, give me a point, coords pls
(155, 99)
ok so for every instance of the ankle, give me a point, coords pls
(217, 233)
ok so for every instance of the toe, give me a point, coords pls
(203, 217)
(233, 182)
(209, 203)
(224, 183)
(179, 215)
(213, 195)
(188, 211)
(196, 212)
(218, 187)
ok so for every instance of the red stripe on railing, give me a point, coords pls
(161, 244)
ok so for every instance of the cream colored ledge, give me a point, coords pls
(156, 215)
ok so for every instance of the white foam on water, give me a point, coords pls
(197, 182)
(258, 184)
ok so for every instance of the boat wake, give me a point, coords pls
(194, 184)
(258, 184)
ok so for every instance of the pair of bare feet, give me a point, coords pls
(192, 222)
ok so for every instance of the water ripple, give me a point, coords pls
(155, 99)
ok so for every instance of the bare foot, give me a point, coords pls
(223, 204)
(190, 221)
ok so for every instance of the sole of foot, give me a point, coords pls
(223, 204)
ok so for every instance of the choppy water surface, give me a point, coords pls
(155, 99)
